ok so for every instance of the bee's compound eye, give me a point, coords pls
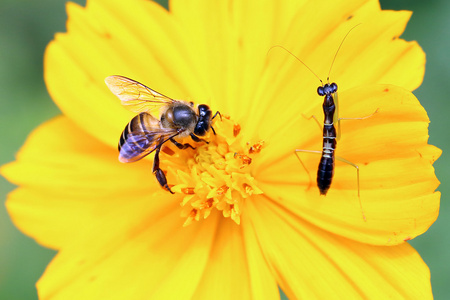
(203, 110)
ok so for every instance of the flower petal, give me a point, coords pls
(67, 177)
(306, 259)
(398, 62)
(104, 39)
(144, 259)
(230, 41)
(395, 169)
(236, 268)
(105, 217)
(371, 53)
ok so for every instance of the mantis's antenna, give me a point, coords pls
(278, 46)
(337, 51)
(332, 63)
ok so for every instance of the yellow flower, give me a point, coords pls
(246, 217)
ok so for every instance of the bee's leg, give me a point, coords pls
(160, 176)
(197, 139)
(217, 113)
(181, 146)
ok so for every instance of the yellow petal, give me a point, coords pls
(105, 219)
(236, 269)
(99, 214)
(371, 53)
(68, 181)
(131, 257)
(306, 259)
(226, 49)
(397, 179)
(262, 281)
(150, 59)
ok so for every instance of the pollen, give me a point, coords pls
(218, 175)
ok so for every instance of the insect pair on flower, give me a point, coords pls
(146, 134)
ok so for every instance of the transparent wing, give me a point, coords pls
(135, 96)
(136, 145)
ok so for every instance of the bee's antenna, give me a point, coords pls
(278, 46)
(337, 51)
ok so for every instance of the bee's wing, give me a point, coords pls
(135, 96)
(135, 145)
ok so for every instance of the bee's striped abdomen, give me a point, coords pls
(136, 140)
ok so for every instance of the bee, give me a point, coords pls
(145, 134)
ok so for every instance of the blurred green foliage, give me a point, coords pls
(25, 29)
(27, 26)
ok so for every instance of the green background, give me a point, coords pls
(27, 26)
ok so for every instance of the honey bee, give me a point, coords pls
(145, 133)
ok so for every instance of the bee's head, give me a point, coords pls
(204, 120)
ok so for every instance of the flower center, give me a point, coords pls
(218, 176)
